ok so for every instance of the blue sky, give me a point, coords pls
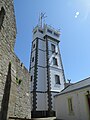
(72, 17)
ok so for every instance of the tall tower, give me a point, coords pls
(47, 74)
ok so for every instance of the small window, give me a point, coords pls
(55, 61)
(57, 35)
(21, 64)
(33, 45)
(40, 31)
(70, 106)
(57, 79)
(32, 59)
(31, 78)
(49, 31)
(53, 48)
(35, 31)
(2, 13)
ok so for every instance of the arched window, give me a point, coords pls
(2, 13)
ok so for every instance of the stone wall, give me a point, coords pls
(8, 28)
(14, 77)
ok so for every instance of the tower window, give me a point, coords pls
(57, 35)
(49, 31)
(40, 31)
(31, 78)
(55, 61)
(32, 59)
(57, 79)
(33, 45)
(2, 13)
(53, 48)
(35, 31)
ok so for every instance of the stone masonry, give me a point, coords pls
(14, 77)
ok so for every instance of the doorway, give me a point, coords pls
(88, 98)
(88, 103)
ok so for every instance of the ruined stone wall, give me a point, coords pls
(19, 105)
(14, 77)
(19, 97)
(8, 28)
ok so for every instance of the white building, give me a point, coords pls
(73, 103)
(47, 74)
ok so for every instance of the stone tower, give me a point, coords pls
(47, 74)
(14, 77)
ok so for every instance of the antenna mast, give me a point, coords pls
(41, 17)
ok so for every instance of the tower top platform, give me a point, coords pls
(46, 30)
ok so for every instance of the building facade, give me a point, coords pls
(14, 77)
(46, 69)
(73, 103)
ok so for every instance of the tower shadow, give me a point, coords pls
(6, 95)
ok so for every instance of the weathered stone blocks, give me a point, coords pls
(14, 77)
